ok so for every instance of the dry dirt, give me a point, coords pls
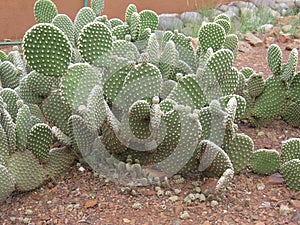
(81, 198)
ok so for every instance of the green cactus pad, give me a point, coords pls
(110, 130)
(135, 26)
(247, 72)
(95, 42)
(44, 11)
(84, 16)
(256, 85)
(291, 114)
(47, 49)
(216, 70)
(17, 59)
(168, 61)
(9, 76)
(97, 6)
(4, 148)
(166, 89)
(125, 49)
(77, 84)
(230, 84)
(225, 24)
(240, 150)
(26, 170)
(272, 101)
(265, 161)
(289, 69)
(23, 125)
(167, 105)
(189, 92)
(294, 88)
(213, 159)
(224, 181)
(10, 97)
(185, 49)
(9, 128)
(131, 8)
(26, 94)
(241, 104)
(153, 49)
(115, 22)
(211, 35)
(64, 23)
(149, 19)
(183, 68)
(291, 174)
(139, 110)
(274, 59)
(60, 136)
(57, 111)
(3, 56)
(115, 78)
(120, 31)
(222, 16)
(60, 161)
(39, 141)
(40, 84)
(290, 149)
(142, 82)
(142, 41)
(205, 119)
(82, 134)
(231, 43)
(7, 183)
(96, 107)
(180, 140)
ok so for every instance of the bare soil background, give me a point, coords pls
(82, 198)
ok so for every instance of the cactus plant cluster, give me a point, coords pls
(125, 99)
(276, 96)
(26, 156)
(266, 162)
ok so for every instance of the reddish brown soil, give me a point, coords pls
(81, 198)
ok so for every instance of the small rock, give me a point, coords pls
(191, 17)
(28, 212)
(284, 210)
(260, 186)
(137, 205)
(214, 203)
(177, 191)
(170, 22)
(184, 215)
(247, 202)
(198, 189)
(81, 169)
(26, 220)
(266, 28)
(253, 40)
(283, 38)
(287, 28)
(296, 203)
(90, 203)
(160, 193)
(70, 207)
(244, 46)
(206, 223)
(174, 198)
(125, 220)
(275, 179)
(201, 197)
